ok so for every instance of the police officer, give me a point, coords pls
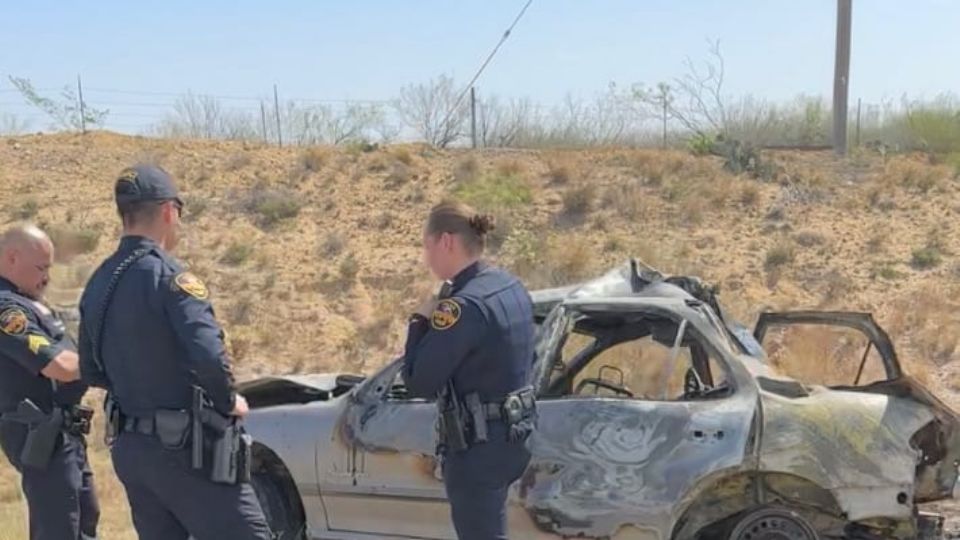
(474, 347)
(149, 336)
(40, 395)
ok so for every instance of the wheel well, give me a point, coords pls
(266, 461)
(731, 495)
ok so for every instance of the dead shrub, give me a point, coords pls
(399, 176)
(236, 253)
(467, 170)
(779, 256)
(349, 268)
(332, 245)
(577, 203)
(510, 167)
(26, 210)
(809, 239)
(314, 158)
(71, 241)
(272, 206)
(402, 155)
(237, 161)
(749, 196)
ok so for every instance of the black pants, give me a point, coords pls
(170, 501)
(477, 481)
(61, 498)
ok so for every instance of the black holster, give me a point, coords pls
(114, 420)
(451, 426)
(477, 417)
(43, 432)
(231, 455)
(230, 447)
(172, 427)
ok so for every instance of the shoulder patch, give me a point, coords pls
(191, 285)
(445, 315)
(35, 343)
(13, 321)
(127, 175)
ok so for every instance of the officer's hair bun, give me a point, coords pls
(482, 223)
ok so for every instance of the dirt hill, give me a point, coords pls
(313, 259)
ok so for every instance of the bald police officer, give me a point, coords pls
(40, 395)
(148, 335)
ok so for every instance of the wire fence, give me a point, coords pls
(433, 112)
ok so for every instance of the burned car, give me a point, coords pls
(660, 417)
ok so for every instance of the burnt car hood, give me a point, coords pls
(286, 389)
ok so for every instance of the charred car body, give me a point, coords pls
(659, 418)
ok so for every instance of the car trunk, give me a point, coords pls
(877, 370)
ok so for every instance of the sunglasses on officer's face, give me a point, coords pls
(176, 204)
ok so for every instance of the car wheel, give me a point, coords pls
(772, 524)
(284, 521)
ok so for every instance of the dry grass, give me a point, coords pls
(822, 355)
(577, 204)
(779, 255)
(237, 253)
(466, 170)
(272, 206)
(70, 241)
(313, 159)
(325, 254)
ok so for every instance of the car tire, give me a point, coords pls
(284, 521)
(772, 524)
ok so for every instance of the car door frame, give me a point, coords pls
(862, 322)
(377, 429)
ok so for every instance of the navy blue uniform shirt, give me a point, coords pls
(29, 340)
(482, 337)
(160, 335)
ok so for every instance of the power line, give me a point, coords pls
(476, 76)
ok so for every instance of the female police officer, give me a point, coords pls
(473, 347)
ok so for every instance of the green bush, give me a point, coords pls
(273, 206)
(926, 258)
(495, 191)
(778, 256)
(236, 254)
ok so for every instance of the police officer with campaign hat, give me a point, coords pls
(473, 348)
(149, 336)
(42, 425)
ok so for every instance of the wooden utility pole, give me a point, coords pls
(83, 109)
(841, 77)
(473, 116)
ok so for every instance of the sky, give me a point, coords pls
(367, 50)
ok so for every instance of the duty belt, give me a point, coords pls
(517, 405)
(138, 424)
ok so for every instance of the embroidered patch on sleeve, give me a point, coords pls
(191, 285)
(446, 314)
(35, 343)
(13, 321)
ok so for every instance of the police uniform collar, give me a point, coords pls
(467, 274)
(7, 285)
(131, 241)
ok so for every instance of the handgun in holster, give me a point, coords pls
(452, 430)
(111, 412)
(478, 417)
(43, 432)
(229, 445)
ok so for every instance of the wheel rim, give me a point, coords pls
(773, 525)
